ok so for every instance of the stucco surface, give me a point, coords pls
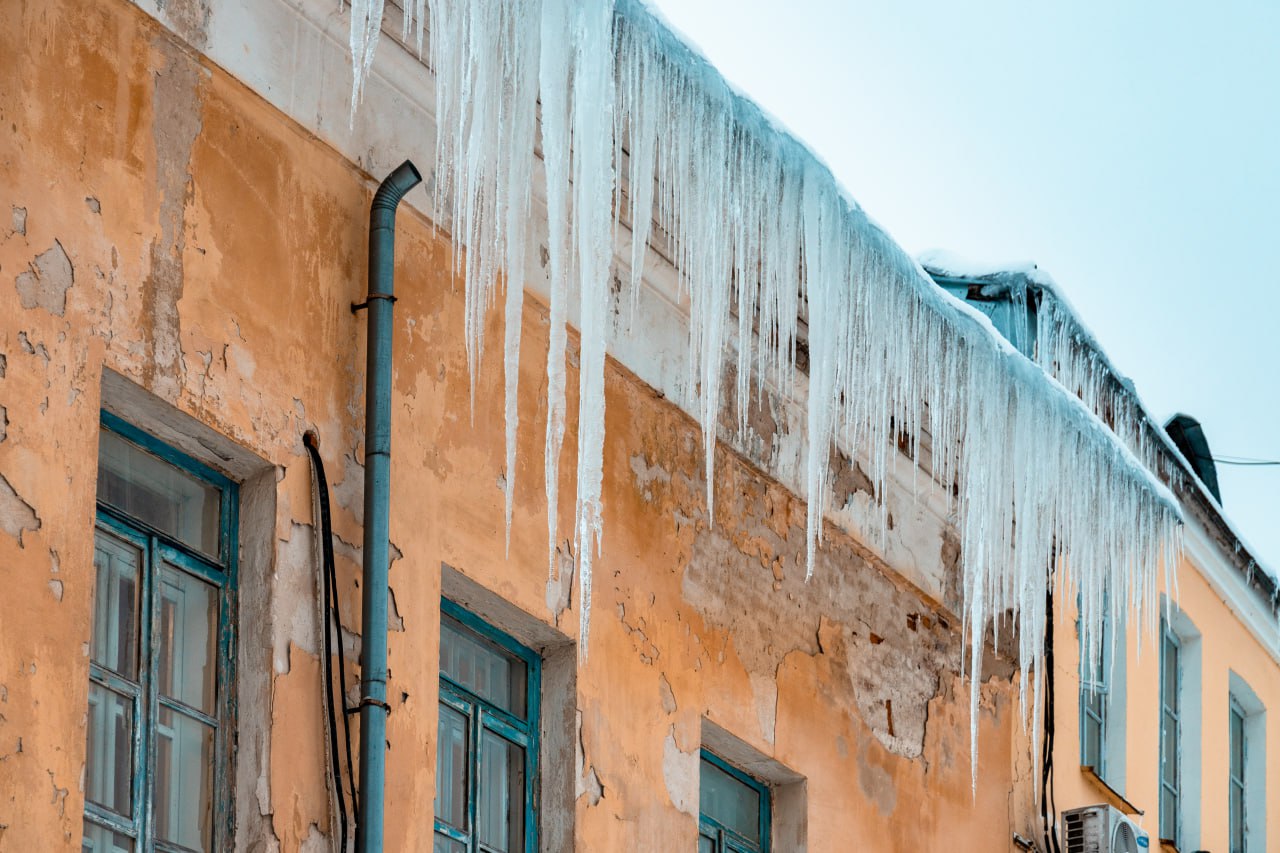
(166, 224)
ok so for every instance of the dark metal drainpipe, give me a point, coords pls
(377, 501)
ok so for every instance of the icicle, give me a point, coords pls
(637, 116)
(553, 80)
(484, 168)
(593, 99)
(366, 27)
(821, 289)
(414, 22)
(511, 393)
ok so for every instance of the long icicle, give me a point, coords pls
(553, 81)
(593, 98)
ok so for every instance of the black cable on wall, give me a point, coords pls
(1048, 805)
(332, 625)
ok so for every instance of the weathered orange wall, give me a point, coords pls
(215, 249)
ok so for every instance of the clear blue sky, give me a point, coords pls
(1131, 149)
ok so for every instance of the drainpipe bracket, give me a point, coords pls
(359, 306)
(369, 700)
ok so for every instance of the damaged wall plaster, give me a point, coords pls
(16, 515)
(46, 281)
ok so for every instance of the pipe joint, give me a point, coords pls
(393, 189)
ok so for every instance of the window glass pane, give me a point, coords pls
(108, 768)
(451, 768)
(1237, 743)
(444, 844)
(731, 803)
(1092, 753)
(163, 496)
(1170, 773)
(500, 810)
(1168, 815)
(706, 844)
(485, 669)
(1093, 669)
(115, 604)
(1235, 782)
(1169, 678)
(1236, 817)
(99, 839)
(187, 639)
(184, 780)
(1169, 751)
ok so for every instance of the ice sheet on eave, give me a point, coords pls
(761, 231)
(957, 265)
(1075, 409)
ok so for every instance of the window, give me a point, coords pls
(1170, 733)
(1247, 768)
(733, 809)
(156, 766)
(1095, 690)
(487, 747)
(1236, 809)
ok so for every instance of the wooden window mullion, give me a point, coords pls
(150, 655)
(475, 768)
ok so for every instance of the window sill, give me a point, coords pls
(1110, 795)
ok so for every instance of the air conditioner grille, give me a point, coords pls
(1083, 832)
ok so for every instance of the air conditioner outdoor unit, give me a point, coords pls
(1102, 829)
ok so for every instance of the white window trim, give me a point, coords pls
(1191, 712)
(1255, 761)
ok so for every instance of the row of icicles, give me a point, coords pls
(764, 239)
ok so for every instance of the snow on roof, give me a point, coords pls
(1005, 274)
(955, 265)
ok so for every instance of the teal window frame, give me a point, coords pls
(1095, 700)
(159, 548)
(1237, 785)
(1170, 734)
(724, 839)
(483, 715)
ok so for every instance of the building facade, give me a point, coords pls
(184, 225)
(1168, 723)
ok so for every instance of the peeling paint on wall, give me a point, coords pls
(876, 783)
(294, 620)
(680, 772)
(560, 584)
(668, 696)
(16, 515)
(46, 281)
(177, 97)
(747, 578)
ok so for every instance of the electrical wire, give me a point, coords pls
(332, 625)
(1245, 460)
(1048, 802)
